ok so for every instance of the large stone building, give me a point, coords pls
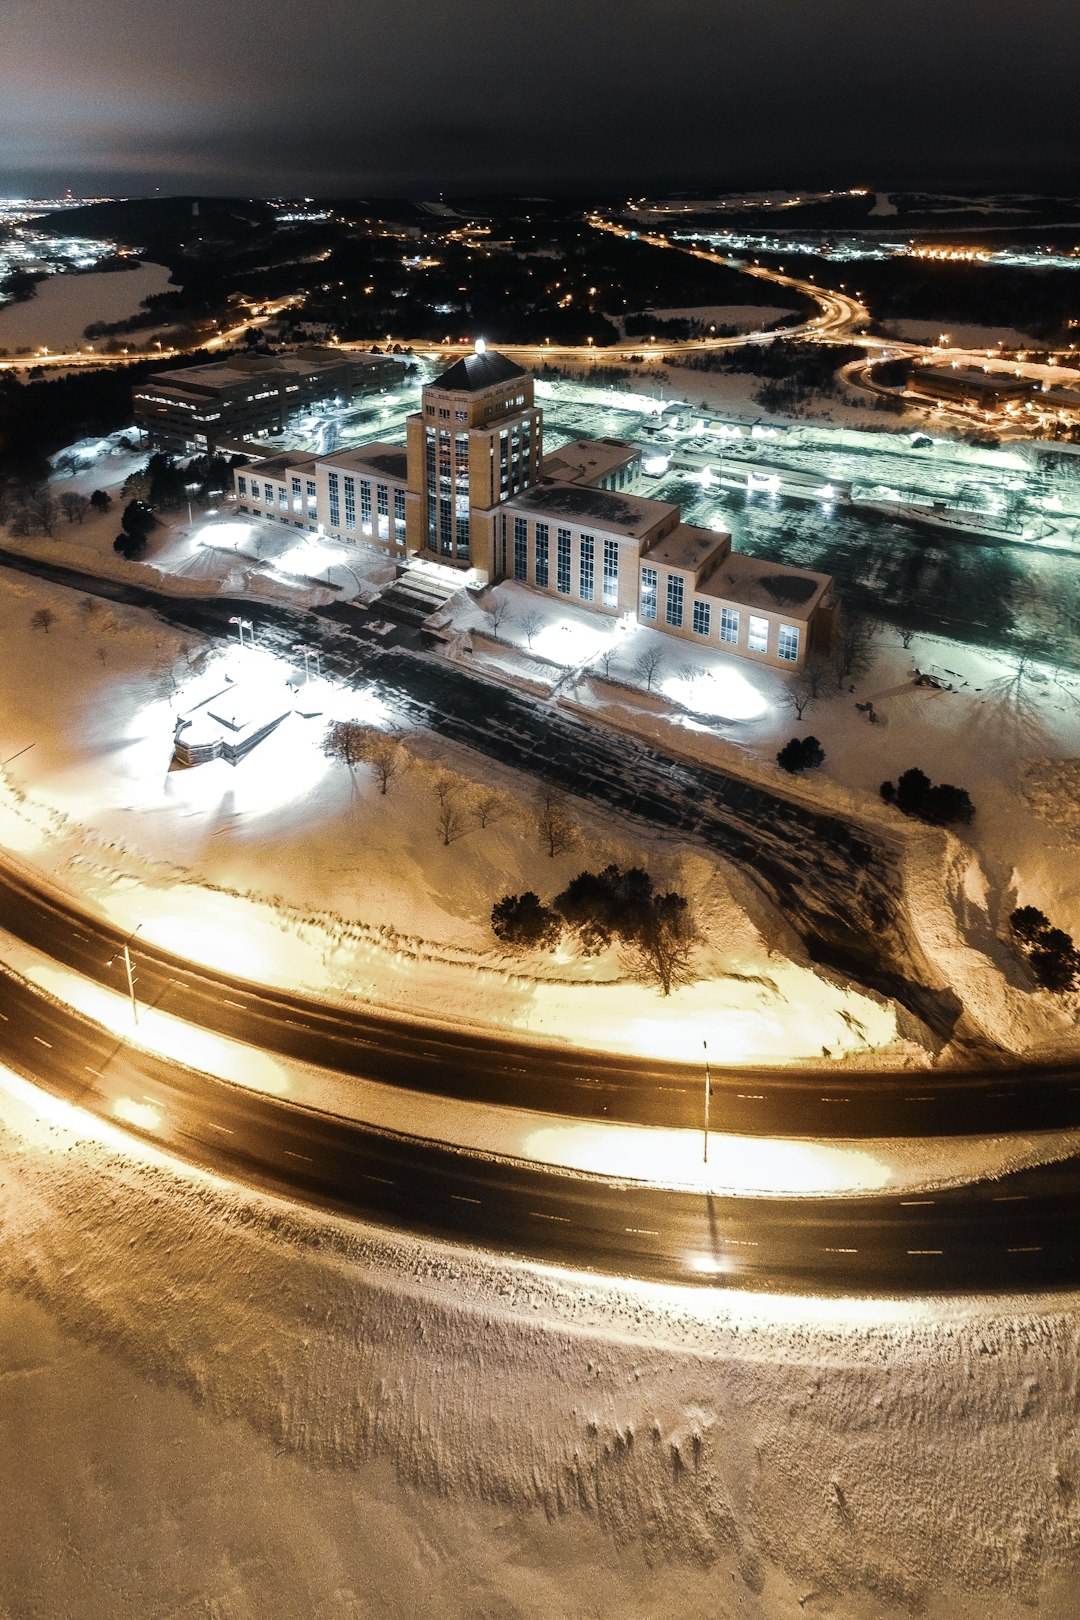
(192, 409)
(474, 491)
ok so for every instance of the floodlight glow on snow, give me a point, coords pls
(571, 642)
(655, 465)
(706, 478)
(725, 693)
(307, 557)
(826, 493)
(143, 1115)
(769, 1167)
(230, 535)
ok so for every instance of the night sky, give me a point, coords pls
(355, 96)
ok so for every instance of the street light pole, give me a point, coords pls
(708, 1100)
(129, 968)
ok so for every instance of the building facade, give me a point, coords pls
(473, 490)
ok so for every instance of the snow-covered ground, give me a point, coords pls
(63, 306)
(962, 335)
(220, 1405)
(335, 887)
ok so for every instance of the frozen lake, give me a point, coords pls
(64, 305)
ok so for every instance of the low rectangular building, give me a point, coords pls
(190, 410)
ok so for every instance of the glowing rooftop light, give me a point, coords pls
(481, 346)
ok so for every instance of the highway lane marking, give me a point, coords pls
(1030, 1248)
(89, 1070)
(920, 1098)
(926, 1251)
(460, 1198)
(5, 1017)
(641, 1231)
(915, 1203)
(743, 1243)
(750, 1096)
(827, 1250)
(565, 1219)
(289, 1154)
(836, 1099)
(239, 1005)
(223, 1128)
(1009, 1198)
(43, 1042)
(384, 1179)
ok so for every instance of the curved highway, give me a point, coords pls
(470, 1064)
(1020, 1233)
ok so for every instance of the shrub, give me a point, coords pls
(523, 922)
(916, 795)
(801, 755)
(1052, 957)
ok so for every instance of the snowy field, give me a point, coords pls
(744, 317)
(961, 336)
(224, 1406)
(63, 306)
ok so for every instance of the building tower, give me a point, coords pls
(475, 442)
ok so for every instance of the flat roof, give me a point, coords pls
(630, 515)
(687, 546)
(771, 587)
(970, 377)
(247, 368)
(586, 460)
(277, 466)
(383, 460)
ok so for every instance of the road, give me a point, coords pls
(1019, 1233)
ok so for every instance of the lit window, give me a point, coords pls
(255, 490)
(541, 567)
(562, 574)
(787, 644)
(611, 573)
(521, 548)
(673, 614)
(585, 568)
(241, 486)
(648, 593)
(729, 624)
(758, 638)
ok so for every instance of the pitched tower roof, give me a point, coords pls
(474, 372)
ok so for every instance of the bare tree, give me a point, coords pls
(344, 742)
(531, 623)
(73, 505)
(382, 750)
(799, 695)
(852, 646)
(907, 635)
(42, 618)
(489, 804)
(661, 952)
(87, 608)
(450, 819)
(498, 613)
(606, 658)
(557, 831)
(648, 664)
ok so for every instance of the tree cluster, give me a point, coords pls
(1051, 955)
(800, 754)
(656, 930)
(941, 804)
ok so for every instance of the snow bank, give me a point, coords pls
(225, 1404)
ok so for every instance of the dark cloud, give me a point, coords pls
(364, 95)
